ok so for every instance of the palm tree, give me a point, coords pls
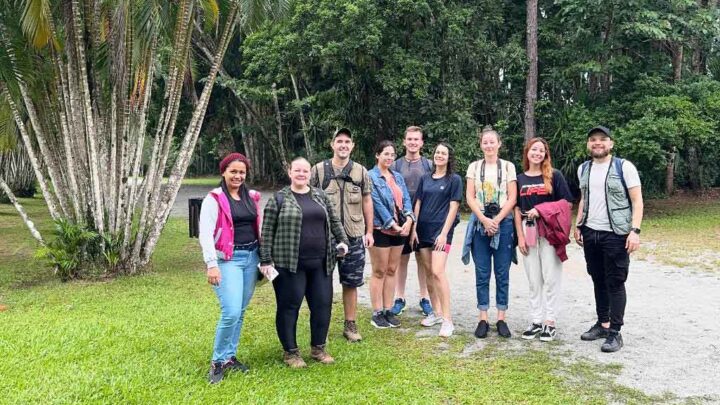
(83, 72)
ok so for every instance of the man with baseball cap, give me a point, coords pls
(608, 228)
(348, 186)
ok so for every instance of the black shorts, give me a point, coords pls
(384, 240)
(407, 249)
(351, 267)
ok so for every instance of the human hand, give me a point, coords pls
(632, 243)
(406, 228)
(490, 226)
(368, 240)
(440, 242)
(522, 245)
(213, 276)
(578, 237)
(414, 238)
(533, 214)
(342, 249)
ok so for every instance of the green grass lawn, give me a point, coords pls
(147, 339)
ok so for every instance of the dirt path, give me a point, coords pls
(671, 332)
(672, 318)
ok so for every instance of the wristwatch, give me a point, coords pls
(636, 230)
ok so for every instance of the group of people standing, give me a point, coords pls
(333, 211)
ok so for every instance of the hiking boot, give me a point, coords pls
(392, 319)
(533, 330)
(482, 330)
(398, 307)
(548, 333)
(351, 332)
(431, 320)
(503, 329)
(378, 320)
(595, 332)
(446, 329)
(293, 359)
(613, 342)
(234, 365)
(318, 353)
(425, 307)
(216, 373)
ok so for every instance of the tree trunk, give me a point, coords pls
(670, 172)
(305, 131)
(31, 226)
(677, 62)
(278, 122)
(693, 162)
(532, 76)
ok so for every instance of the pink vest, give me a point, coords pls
(224, 231)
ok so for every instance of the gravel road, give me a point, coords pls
(672, 318)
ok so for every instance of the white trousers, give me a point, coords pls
(544, 272)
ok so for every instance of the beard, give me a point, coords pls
(599, 154)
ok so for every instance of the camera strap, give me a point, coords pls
(499, 172)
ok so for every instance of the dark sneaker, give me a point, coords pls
(595, 332)
(398, 307)
(613, 342)
(216, 373)
(532, 331)
(503, 329)
(392, 320)
(234, 365)
(482, 330)
(351, 332)
(425, 306)
(378, 320)
(548, 333)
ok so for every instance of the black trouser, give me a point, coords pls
(312, 282)
(607, 263)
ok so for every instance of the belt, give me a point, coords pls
(246, 246)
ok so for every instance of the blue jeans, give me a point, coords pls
(482, 254)
(237, 284)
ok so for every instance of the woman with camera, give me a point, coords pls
(543, 201)
(392, 222)
(491, 195)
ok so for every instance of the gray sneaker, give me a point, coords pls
(379, 321)
(595, 332)
(216, 373)
(392, 320)
(613, 342)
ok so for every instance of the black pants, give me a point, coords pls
(312, 282)
(607, 263)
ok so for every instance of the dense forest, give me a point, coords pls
(650, 70)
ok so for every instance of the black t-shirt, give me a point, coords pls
(531, 190)
(243, 220)
(312, 231)
(436, 195)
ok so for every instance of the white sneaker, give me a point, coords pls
(447, 329)
(431, 320)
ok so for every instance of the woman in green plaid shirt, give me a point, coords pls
(301, 237)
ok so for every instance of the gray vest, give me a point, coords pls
(619, 208)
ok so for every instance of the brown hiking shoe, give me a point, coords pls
(351, 332)
(293, 359)
(318, 353)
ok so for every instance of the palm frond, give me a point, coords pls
(36, 22)
(8, 136)
(255, 12)
(210, 14)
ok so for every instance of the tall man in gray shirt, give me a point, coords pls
(412, 167)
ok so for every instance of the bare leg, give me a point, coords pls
(423, 267)
(388, 291)
(379, 259)
(433, 291)
(350, 302)
(401, 276)
(440, 282)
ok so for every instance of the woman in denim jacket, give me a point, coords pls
(392, 223)
(229, 234)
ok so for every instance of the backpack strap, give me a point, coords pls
(279, 200)
(328, 174)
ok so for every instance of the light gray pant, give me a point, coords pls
(544, 272)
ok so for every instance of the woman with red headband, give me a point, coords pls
(229, 236)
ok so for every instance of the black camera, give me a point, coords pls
(491, 209)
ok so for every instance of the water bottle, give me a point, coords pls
(530, 233)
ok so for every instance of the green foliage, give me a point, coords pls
(74, 251)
